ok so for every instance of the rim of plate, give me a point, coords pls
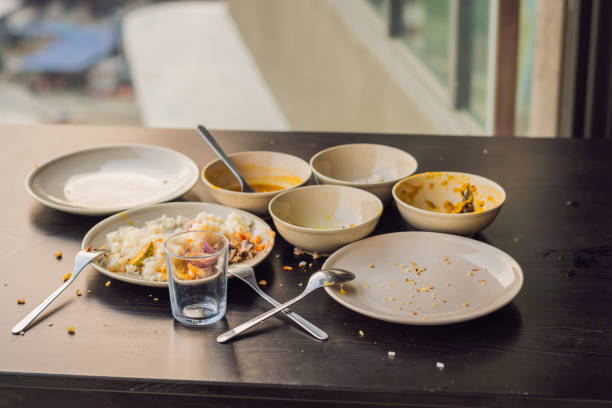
(502, 301)
(204, 206)
(83, 210)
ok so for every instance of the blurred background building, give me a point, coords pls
(477, 67)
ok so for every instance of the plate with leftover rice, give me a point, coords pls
(135, 238)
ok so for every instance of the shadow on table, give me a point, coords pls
(57, 223)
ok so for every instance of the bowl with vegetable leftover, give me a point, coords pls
(451, 202)
(268, 173)
(371, 167)
(323, 218)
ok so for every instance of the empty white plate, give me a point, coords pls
(109, 179)
(425, 278)
(96, 236)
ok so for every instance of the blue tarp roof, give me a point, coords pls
(75, 49)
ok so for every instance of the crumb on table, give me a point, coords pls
(107, 284)
(71, 330)
(58, 255)
(20, 302)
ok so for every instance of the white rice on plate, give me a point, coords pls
(127, 241)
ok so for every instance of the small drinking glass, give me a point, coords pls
(196, 265)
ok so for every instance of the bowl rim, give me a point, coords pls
(326, 231)
(359, 184)
(421, 211)
(214, 187)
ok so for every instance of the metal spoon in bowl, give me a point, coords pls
(244, 186)
(325, 277)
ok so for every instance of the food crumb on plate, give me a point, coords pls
(371, 265)
(78, 292)
(88, 249)
(20, 302)
(67, 276)
(360, 332)
(58, 255)
(440, 365)
(300, 284)
(465, 304)
(470, 273)
(71, 330)
(107, 284)
(482, 282)
(50, 324)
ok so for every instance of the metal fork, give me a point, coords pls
(247, 275)
(81, 260)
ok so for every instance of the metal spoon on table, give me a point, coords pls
(244, 186)
(81, 260)
(325, 277)
(246, 274)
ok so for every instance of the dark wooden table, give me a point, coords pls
(552, 346)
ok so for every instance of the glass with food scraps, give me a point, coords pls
(196, 266)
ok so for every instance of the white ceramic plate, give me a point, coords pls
(138, 216)
(463, 278)
(108, 179)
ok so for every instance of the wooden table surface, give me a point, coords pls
(552, 346)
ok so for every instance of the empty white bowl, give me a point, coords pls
(259, 169)
(428, 201)
(324, 218)
(372, 167)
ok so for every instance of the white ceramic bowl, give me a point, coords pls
(372, 167)
(283, 170)
(324, 218)
(427, 202)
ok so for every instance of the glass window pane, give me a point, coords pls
(479, 59)
(426, 31)
(377, 5)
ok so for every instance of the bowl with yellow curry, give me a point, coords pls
(451, 202)
(268, 173)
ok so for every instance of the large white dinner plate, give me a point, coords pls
(463, 278)
(108, 179)
(96, 236)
